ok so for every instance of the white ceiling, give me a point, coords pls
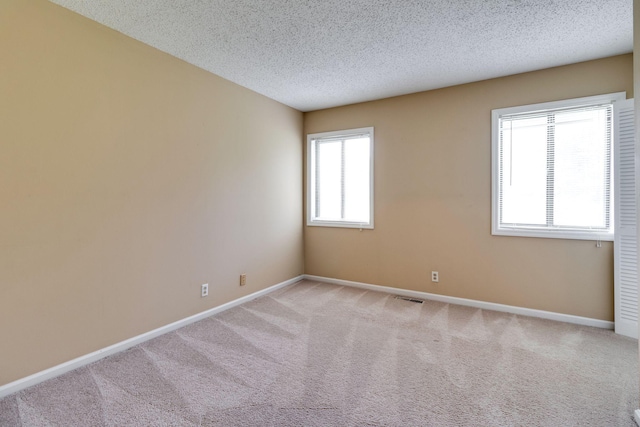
(313, 54)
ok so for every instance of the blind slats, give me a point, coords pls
(340, 178)
(543, 113)
(340, 138)
(555, 169)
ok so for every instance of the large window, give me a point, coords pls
(340, 178)
(552, 169)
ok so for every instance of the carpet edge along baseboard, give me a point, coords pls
(550, 315)
(55, 371)
(78, 362)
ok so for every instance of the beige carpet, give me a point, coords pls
(322, 355)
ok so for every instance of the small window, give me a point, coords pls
(552, 169)
(340, 178)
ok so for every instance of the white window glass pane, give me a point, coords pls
(356, 175)
(328, 186)
(524, 171)
(580, 169)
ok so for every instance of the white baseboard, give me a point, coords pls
(58, 370)
(568, 318)
(636, 416)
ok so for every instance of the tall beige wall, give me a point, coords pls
(127, 179)
(433, 199)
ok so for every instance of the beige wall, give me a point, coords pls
(127, 179)
(433, 195)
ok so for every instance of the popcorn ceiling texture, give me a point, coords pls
(313, 54)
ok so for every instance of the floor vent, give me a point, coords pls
(419, 301)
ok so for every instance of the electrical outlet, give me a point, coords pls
(243, 279)
(204, 290)
(435, 277)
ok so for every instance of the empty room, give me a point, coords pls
(318, 213)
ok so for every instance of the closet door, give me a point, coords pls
(626, 240)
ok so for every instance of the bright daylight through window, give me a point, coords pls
(552, 169)
(340, 178)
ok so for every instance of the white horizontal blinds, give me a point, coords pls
(582, 165)
(551, 153)
(342, 178)
(555, 168)
(523, 178)
(342, 137)
(357, 179)
(328, 181)
(625, 243)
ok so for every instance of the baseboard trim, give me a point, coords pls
(76, 363)
(636, 416)
(568, 318)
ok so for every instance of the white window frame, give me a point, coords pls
(547, 232)
(311, 221)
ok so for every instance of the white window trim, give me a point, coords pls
(545, 232)
(310, 180)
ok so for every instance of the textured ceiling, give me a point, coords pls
(313, 54)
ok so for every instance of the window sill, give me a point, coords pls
(340, 224)
(556, 234)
